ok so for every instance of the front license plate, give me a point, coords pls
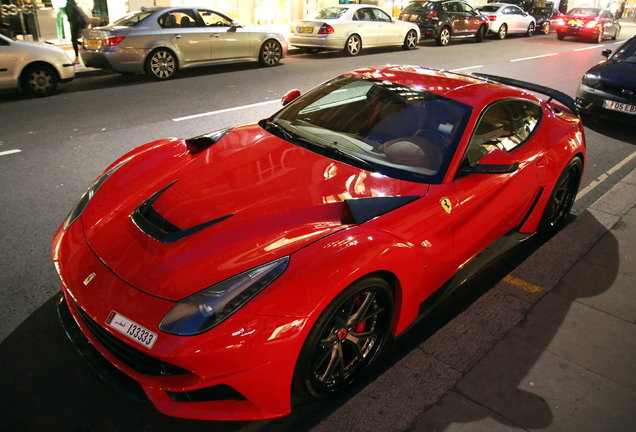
(131, 329)
(619, 106)
(93, 43)
(306, 30)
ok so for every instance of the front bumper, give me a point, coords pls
(240, 370)
(590, 101)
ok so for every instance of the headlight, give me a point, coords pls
(208, 308)
(591, 80)
(88, 195)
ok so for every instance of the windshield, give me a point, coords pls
(380, 126)
(330, 13)
(420, 7)
(488, 8)
(582, 12)
(627, 52)
(132, 19)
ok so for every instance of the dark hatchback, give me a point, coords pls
(546, 18)
(589, 23)
(446, 19)
(608, 89)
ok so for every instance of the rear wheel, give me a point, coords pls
(346, 338)
(479, 37)
(271, 53)
(618, 31)
(353, 45)
(560, 36)
(562, 198)
(503, 31)
(410, 40)
(161, 64)
(599, 38)
(444, 37)
(39, 80)
(530, 30)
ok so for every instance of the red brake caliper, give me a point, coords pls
(359, 327)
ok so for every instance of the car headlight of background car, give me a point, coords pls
(591, 80)
(88, 195)
(208, 308)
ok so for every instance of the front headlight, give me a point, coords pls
(591, 80)
(208, 308)
(88, 195)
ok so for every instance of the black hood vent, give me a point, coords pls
(365, 209)
(155, 226)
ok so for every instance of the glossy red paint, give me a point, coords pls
(288, 201)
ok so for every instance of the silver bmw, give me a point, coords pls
(160, 41)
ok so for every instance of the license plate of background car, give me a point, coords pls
(131, 329)
(618, 106)
(575, 22)
(305, 30)
(93, 43)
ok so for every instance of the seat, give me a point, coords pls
(186, 21)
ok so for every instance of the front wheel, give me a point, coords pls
(410, 41)
(346, 338)
(39, 80)
(530, 30)
(616, 33)
(444, 37)
(353, 45)
(545, 29)
(271, 53)
(161, 65)
(562, 198)
(503, 31)
(480, 34)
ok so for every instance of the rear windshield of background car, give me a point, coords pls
(541, 11)
(584, 12)
(331, 13)
(132, 19)
(488, 8)
(420, 7)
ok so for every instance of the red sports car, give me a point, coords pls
(222, 271)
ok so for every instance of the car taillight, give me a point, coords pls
(560, 22)
(326, 29)
(111, 41)
(401, 15)
(592, 24)
(492, 17)
(432, 15)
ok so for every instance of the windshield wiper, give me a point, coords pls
(286, 134)
(346, 155)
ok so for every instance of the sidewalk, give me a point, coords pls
(551, 347)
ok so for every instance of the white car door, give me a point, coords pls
(226, 41)
(187, 34)
(366, 26)
(8, 61)
(389, 33)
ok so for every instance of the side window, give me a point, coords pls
(380, 15)
(212, 19)
(167, 21)
(466, 8)
(364, 15)
(180, 18)
(504, 125)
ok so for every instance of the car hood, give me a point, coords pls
(248, 199)
(617, 73)
(37, 50)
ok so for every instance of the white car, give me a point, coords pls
(32, 67)
(350, 28)
(507, 19)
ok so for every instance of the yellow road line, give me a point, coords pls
(522, 285)
(600, 179)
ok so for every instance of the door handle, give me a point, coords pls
(177, 36)
(215, 35)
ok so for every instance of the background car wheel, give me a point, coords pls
(599, 38)
(270, 54)
(410, 41)
(545, 28)
(444, 37)
(161, 64)
(479, 37)
(618, 31)
(562, 198)
(503, 31)
(353, 45)
(560, 36)
(530, 30)
(346, 338)
(39, 80)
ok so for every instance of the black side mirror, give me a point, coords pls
(606, 52)
(495, 162)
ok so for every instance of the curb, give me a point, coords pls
(403, 393)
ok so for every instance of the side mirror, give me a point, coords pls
(606, 52)
(233, 26)
(494, 162)
(290, 96)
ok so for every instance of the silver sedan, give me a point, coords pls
(507, 19)
(352, 27)
(159, 41)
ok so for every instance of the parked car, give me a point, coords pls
(32, 67)
(608, 89)
(159, 41)
(589, 23)
(546, 18)
(507, 19)
(350, 28)
(222, 271)
(445, 19)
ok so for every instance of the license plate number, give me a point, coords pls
(93, 43)
(131, 329)
(619, 106)
(306, 30)
(575, 23)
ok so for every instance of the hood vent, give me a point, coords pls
(365, 209)
(155, 226)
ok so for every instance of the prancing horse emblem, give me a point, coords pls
(89, 278)
(446, 204)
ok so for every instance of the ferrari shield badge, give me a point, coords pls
(89, 278)
(446, 205)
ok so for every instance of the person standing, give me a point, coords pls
(78, 21)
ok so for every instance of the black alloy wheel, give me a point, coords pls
(562, 198)
(271, 53)
(410, 41)
(346, 338)
(444, 37)
(161, 64)
(39, 80)
(353, 45)
(503, 31)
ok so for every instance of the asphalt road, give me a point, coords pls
(66, 140)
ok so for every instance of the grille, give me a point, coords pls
(136, 360)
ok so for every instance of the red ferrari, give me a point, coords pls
(225, 271)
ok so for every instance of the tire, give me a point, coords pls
(444, 37)
(271, 53)
(618, 31)
(503, 31)
(161, 64)
(530, 30)
(479, 37)
(353, 45)
(562, 198)
(599, 38)
(560, 36)
(341, 347)
(545, 28)
(39, 80)
(410, 40)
